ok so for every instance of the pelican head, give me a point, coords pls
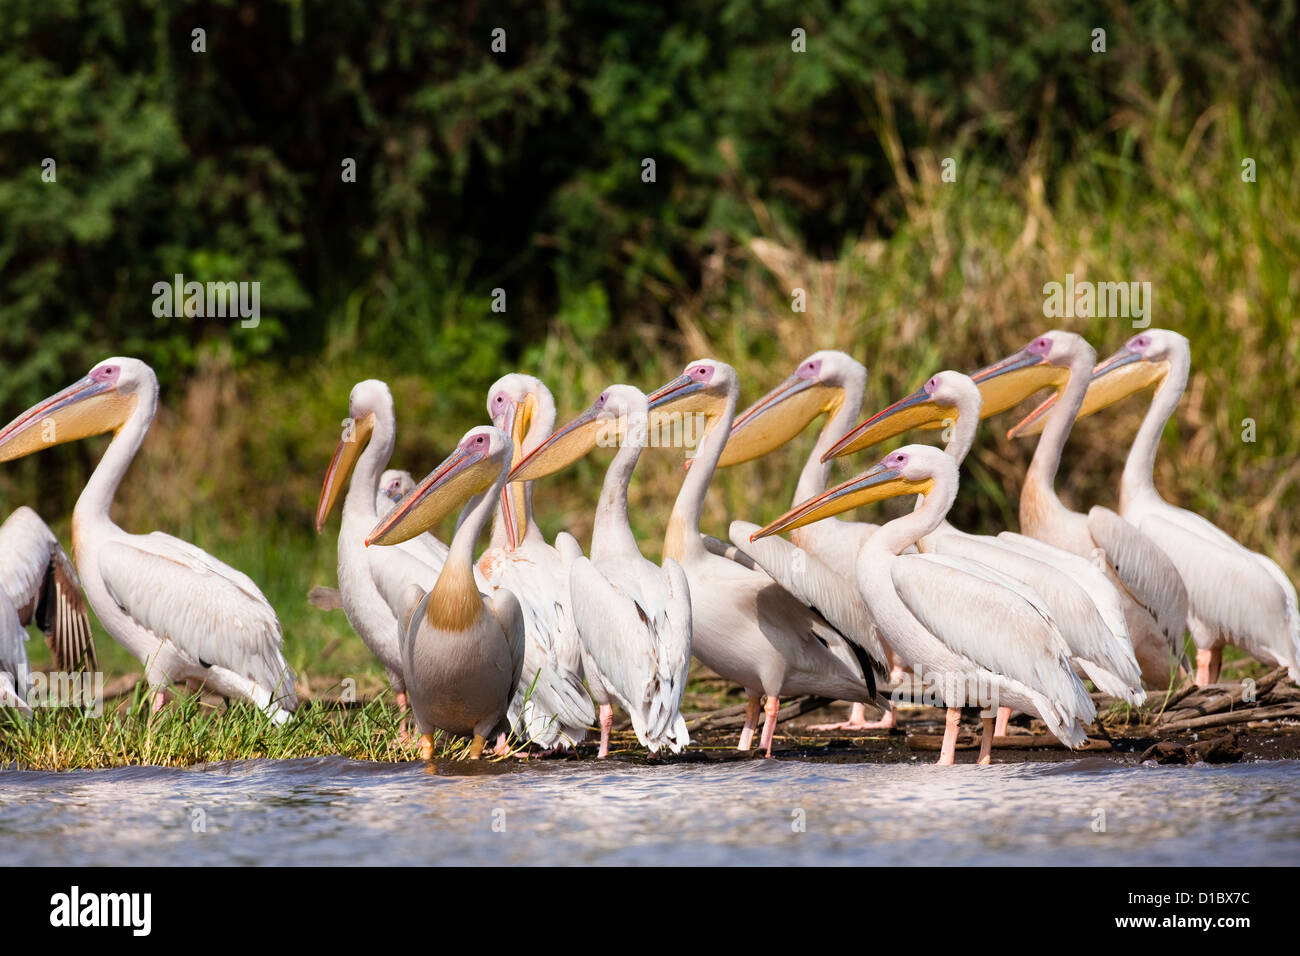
(911, 470)
(367, 400)
(394, 484)
(100, 402)
(705, 387)
(520, 405)
(938, 402)
(1144, 362)
(818, 386)
(619, 415)
(1046, 362)
(479, 462)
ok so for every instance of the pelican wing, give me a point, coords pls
(206, 608)
(1230, 588)
(14, 674)
(1145, 570)
(37, 576)
(505, 608)
(833, 595)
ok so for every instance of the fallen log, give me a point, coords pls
(1017, 742)
(1278, 712)
(795, 708)
(1217, 701)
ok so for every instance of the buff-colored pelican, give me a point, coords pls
(462, 651)
(832, 384)
(634, 618)
(182, 613)
(968, 632)
(744, 625)
(1235, 596)
(551, 708)
(1155, 600)
(1087, 608)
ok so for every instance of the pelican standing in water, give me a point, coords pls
(1155, 600)
(826, 383)
(462, 651)
(551, 707)
(182, 613)
(373, 582)
(634, 618)
(1235, 596)
(1086, 607)
(958, 626)
(744, 625)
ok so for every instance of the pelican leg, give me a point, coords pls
(426, 746)
(606, 724)
(751, 721)
(986, 740)
(952, 723)
(1004, 718)
(1207, 666)
(772, 707)
(403, 731)
(476, 747)
(157, 701)
(858, 720)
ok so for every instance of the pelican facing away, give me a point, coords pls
(634, 618)
(373, 582)
(964, 629)
(463, 651)
(826, 383)
(745, 626)
(182, 613)
(1235, 595)
(1155, 600)
(551, 707)
(1086, 607)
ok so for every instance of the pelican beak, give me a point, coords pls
(874, 485)
(514, 496)
(565, 446)
(778, 417)
(1123, 374)
(685, 394)
(85, 408)
(1007, 383)
(443, 492)
(356, 434)
(918, 410)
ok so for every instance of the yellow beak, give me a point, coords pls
(1007, 383)
(565, 446)
(356, 434)
(918, 410)
(514, 496)
(85, 408)
(778, 417)
(1123, 374)
(442, 493)
(874, 485)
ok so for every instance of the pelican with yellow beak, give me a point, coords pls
(1235, 596)
(462, 651)
(1086, 607)
(1155, 599)
(182, 613)
(969, 635)
(832, 384)
(745, 626)
(634, 617)
(551, 707)
(373, 582)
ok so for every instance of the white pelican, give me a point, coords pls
(744, 625)
(462, 651)
(373, 582)
(826, 383)
(1087, 608)
(40, 584)
(962, 628)
(182, 613)
(551, 707)
(634, 618)
(1235, 595)
(1155, 600)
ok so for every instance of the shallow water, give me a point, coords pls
(333, 811)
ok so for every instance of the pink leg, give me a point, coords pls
(771, 707)
(952, 723)
(986, 742)
(1207, 666)
(858, 720)
(1004, 718)
(403, 732)
(156, 703)
(503, 746)
(606, 725)
(751, 720)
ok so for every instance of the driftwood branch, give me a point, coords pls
(1277, 712)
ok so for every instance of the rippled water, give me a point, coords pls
(336, 811)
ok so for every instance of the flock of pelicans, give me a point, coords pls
(527, 637)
